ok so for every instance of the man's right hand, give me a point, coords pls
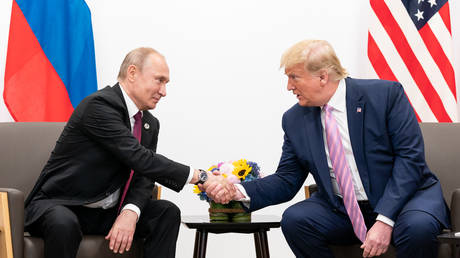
(121, 234)
(219, 189)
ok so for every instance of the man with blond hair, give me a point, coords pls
(361, 142)
(100, 176)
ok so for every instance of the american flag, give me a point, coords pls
(410, 41)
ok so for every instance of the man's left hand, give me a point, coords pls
(377, 239)
(122, 231)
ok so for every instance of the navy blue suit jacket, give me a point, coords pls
(387, 145)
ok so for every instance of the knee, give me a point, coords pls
(62, 223)
(171, 213)
(416, 228)
(291, 221)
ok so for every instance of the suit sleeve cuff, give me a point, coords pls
(134, 208)
(385, 220)
(190, 175)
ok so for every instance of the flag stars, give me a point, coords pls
(432, 2)
(419, 15)
(419, 1)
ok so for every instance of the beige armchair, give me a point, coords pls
(24, 150)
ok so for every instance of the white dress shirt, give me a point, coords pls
(338, 102)
(112, 199)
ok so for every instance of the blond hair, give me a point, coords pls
(315, 55)
(137, 58)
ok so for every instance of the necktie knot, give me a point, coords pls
(328, 108)
(138, 116)
(137, 125)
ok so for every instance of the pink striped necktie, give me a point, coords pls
(137, 133)
(343, 173)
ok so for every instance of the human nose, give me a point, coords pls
(290, 85)
(163, 90)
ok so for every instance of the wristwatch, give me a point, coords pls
(202, 177)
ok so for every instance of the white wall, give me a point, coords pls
(226, 95)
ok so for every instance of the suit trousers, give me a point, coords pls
(311, 225)
(62, 228)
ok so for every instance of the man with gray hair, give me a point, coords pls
(361, 142)
(101, 173)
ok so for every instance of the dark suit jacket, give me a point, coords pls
(94, 155)
(387, 145)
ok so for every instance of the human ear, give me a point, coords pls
(131, 72)
(323, 77)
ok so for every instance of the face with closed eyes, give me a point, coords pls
(148, 85)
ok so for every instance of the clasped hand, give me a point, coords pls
(218, 188)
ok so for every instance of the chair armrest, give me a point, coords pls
(16, 209)
(156, 193)
(310, 189)
(455, 210)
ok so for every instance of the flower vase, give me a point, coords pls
(233, 211)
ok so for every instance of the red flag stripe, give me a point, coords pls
(399, 69)
(439, 57)
(380, 64)
(413, 65)
(445, 15)
(27, 62)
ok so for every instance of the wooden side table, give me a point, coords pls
(259, 225)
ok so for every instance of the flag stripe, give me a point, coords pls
(64, 31)
(28, 70)
(399, 69)
(418, 49)
(409, 58)
(381, 68)
(50, 64)
(443, 35)
(445, 15)
(435, 49)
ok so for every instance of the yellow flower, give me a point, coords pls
(196, 189)
(242, 168)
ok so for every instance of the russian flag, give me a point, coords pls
(50, 65)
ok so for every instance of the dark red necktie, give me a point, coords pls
(137, 133)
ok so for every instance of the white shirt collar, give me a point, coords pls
(132, 108)
(337, 100)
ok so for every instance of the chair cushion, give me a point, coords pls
(90, 247)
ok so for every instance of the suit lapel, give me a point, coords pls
(146, 133)
(117, 90)
(314, 131)
(147, 130)
(355, 115)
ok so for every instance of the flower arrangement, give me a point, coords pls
(234, 171)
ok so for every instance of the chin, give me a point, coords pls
(303, 104)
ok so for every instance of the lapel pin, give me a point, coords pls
(146, 126)
(358, 109)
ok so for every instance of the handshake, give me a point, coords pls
(219, 188)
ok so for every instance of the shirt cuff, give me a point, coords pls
(385, 220)
(134, 208)
(243, 191)
(246, 201)
(190, 175)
